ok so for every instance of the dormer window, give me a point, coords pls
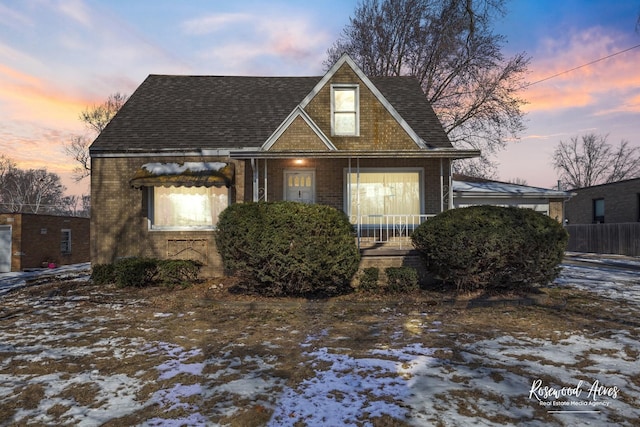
(345, 119)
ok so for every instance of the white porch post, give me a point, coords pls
(265, 180)
(254, 167)
(441, 187)
(350, 201)
(358, 199)
(450, 187)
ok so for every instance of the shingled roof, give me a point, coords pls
(191, 113)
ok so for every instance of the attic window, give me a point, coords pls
(345, 110)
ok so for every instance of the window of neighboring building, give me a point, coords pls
(598, 211)
(186, 208)
(345, 110)
(638, 206)
(375, 193)
(65, 242)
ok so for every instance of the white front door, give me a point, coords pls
(299, 186)
(5, 248)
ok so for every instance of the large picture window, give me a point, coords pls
(375, 193)
(345, 107)
(187, 208)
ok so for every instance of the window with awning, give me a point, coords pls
(185, 196)
(187, 174)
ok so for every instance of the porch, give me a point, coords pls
(385, 194)
(386, 234)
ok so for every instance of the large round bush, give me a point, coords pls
(288, 248)
(491, 248)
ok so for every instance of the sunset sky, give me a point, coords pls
(58, 57)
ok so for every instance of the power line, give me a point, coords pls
(581, 66)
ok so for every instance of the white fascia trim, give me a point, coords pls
(297, 112)
(394, 113)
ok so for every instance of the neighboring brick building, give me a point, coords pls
(185, 147)
(617, 202)
(35, 241)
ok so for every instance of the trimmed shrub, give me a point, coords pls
(102, 274)
(369, 280)
(141, 272)
(401, 279)
(135, 272)
(178, 272)
(490, 247)
(288, 248)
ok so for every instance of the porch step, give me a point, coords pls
(387, 251)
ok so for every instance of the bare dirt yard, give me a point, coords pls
(72, 353)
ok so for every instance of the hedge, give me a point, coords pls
(491, 247)
(288, 248)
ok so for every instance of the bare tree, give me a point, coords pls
(98, 117)
(6, 165)
(591, 160)
(78, 150)
(95, 118)
(518, 181)
(31, 191)
(448, 45)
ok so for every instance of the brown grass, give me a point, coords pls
(248, 326)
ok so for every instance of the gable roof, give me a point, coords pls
(187, 113)
(223, 113)
(299, 112)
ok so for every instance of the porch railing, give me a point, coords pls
(387, 230)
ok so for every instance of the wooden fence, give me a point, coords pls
(620, 239)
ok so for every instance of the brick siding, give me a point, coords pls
(119, 219)
(36, 240)
(329, 173)
(621, 203)
(379, 130)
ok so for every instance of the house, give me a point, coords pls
(616, 202)
(29, 241)
(605, 218)
(185, 147)
(470, 191)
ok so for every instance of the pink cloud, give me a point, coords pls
(584, 86)
(32, 98)
(212, 23)
(267, 42)
(77, 11)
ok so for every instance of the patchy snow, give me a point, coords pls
(490, 382)
(20, 279)
(179, 168)
(502, 188)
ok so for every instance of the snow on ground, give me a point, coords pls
(491, 382)
(19, 279)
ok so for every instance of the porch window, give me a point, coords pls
(345, 119)
(186, 208)
(372, 194)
